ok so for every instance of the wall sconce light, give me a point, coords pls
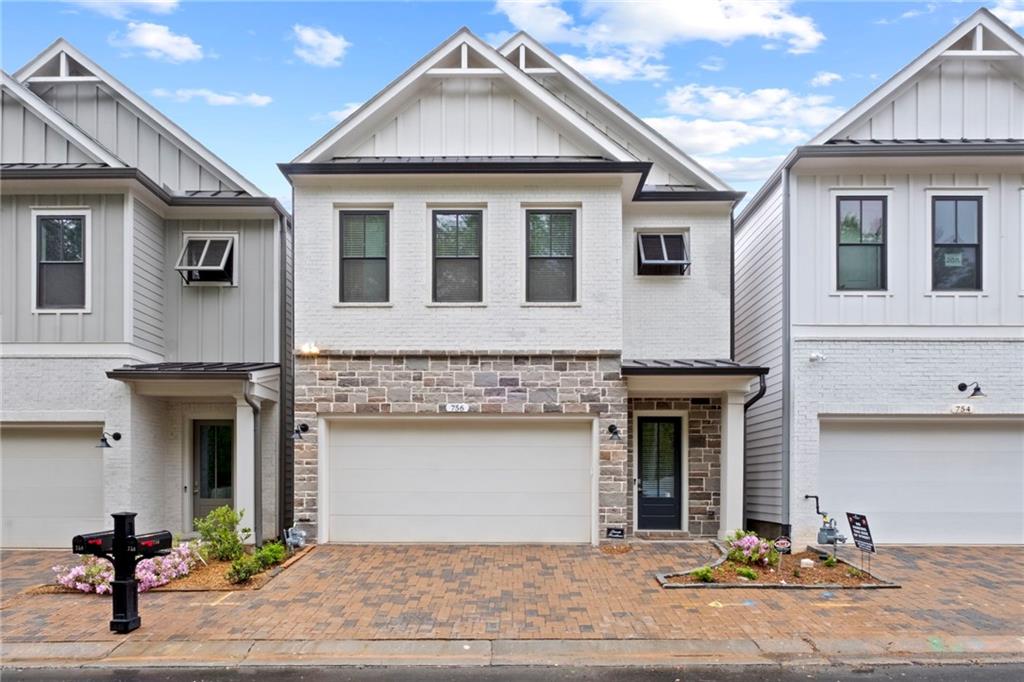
(975, 393)
(104, 443)
(299, 430)
(309, 349)
(614, 432)
(816, 357)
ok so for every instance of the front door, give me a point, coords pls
(212, 466)
(659, 484)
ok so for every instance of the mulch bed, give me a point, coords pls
(204, 578)
(787, 574)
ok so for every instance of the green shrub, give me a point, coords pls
(271, 554)
(746, 548)
(748, 573)
(855, 572)
(830, 561)
(704, 574)
(796, 572)
(243, 568)
(220, 534)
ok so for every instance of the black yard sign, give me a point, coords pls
(860, 532)
(617, 533)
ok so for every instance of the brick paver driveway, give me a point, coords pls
(537, 592)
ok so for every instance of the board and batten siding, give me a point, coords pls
(26, 138)
(954, 99)
(133, 139)
(909, 300)
(105, 321)
(759, 338)
(215, 323)
(149, 278)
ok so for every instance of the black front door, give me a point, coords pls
(659, 484)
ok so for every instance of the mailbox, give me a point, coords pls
(97, 544)
(153, 544)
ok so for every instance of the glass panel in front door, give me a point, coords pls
(658, 459)
(213, 466)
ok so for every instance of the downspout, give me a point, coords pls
(257, 453)
(757, 396)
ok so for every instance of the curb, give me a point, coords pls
(484, 653)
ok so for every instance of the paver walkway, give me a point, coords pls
(407, 592)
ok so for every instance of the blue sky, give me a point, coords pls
(735, 84)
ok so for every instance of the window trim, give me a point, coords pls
(575, 300)
(663, 232)
(977, 198)
(433, 256)
(339, 260)
(233, 252)
(884, 245)
(84, 212)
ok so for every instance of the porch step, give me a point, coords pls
(668, 535)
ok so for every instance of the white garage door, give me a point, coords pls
(52, 484)
(927, 482)
(471, 480)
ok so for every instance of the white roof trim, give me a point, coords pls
(52, 117)
(982, 17)
(141, 108)
(420, 69)
(619, 112)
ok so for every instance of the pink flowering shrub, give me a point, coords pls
(747, 548)
(94, 574)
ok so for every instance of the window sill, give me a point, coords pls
(861, 294)
(539, 304)
(61, 311)
(218, 285)
(465, 304)
(956, 294)
(363, 305)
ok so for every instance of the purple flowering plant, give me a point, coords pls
(747, 548)
(93, 574)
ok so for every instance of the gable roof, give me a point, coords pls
(60, 50)
(464, 41)
(54, 119)
(521, 42)
(973, 30)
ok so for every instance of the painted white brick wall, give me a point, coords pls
(678, 317)
(871, 377)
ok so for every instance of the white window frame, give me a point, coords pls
(524, 210)
(684, 232)
(484, 268)
(233, 253)
(63, 212)
(983, 251)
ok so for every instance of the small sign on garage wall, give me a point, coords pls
(962, 408)
(456, 407)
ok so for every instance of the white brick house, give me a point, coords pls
(143, 300)
(877, 272)
(504, 277)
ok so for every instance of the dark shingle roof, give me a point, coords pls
(679, 366)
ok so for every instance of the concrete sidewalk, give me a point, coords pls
(481, 653)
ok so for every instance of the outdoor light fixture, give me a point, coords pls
(614, 431)
(104, 443)
(309, 349)
(299, 430)
(975, 393)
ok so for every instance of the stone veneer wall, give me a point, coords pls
(704, 452)
(570, 383)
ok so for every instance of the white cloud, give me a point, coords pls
(1010, 11)
(825, 78)
(713, 64)
(158, 42)
(705, 136)
(346, 111)
(910, 14)
(216, 99)
(119, 9)
(614, 68)
(318, 46)
(742, 168)
(767, 106)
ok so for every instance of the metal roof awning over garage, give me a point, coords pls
(195, 379)
(672, 377)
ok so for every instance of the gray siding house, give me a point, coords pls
(145, 299)
(879, 274)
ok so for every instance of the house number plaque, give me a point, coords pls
(456, 407)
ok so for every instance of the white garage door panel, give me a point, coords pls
(927, 483)
(469, 480)
(51, 480)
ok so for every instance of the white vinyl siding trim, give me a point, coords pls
(79, 212)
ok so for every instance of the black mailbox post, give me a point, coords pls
(123, 548)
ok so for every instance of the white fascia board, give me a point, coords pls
(904, 76)
(52, 117)
(420, 69)
(617, 111)
(139, 107)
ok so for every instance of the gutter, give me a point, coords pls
(761, 390)
(257, 453)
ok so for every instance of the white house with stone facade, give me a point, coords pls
(515, 319)
(144, 300)
(879, 275)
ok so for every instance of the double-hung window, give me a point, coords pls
(61, 274)
(457, 262)
(861, 237)
(956, 243)
(364, 257)
(551, 256)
